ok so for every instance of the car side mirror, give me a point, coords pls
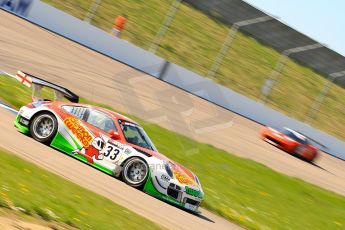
(114, 135)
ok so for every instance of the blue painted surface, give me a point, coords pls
(102, 42)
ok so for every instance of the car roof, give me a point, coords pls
(113, 114)
(297, 134)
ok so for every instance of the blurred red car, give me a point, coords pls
(290, 141)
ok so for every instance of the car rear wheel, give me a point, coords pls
(43, 127)
(135, 172)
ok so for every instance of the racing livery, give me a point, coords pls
(290, 141)
(107, 141)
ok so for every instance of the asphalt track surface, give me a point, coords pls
(29, 48)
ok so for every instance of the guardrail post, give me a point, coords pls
(272, 78)
(91, 13)
(315, 107)
(164, 70)
(165, 26)
(228, 40)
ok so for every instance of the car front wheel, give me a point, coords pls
(135, 172)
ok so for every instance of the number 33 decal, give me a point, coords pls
(110, 151)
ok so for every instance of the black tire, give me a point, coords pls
(43, 127)
(135, 172)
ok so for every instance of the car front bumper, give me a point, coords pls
(175, 194)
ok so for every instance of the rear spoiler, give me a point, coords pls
(37, 84)
(315, 141)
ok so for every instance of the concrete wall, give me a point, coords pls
(102, 42)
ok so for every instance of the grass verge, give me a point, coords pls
(35, 191)
(193, 41)
(238, 189)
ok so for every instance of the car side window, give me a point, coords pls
(77, 111)
(101, 121)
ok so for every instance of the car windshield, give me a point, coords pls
(295, 136)
(136, 135)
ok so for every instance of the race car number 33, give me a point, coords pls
(110, 151)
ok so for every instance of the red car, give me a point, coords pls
(290, 141)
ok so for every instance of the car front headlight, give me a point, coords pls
(197, 180)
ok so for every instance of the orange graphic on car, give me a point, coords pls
(82, 134)
(183, 179)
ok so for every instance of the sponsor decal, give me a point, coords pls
(126, 123)
(92, 151)
(182, 178)
(24, 79)
(117, 144)
(194, 192)
(128, 151)
(76, 127)
(165, 178)
(99, 149)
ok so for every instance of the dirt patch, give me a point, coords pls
(13, 220)
(9, 223)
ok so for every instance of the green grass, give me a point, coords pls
(22, 94)
(249, 193)
(193, 41)
(51, 197)
(241, 190)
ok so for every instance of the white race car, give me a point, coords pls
(107, 141)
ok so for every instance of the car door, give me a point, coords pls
(101, 124)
